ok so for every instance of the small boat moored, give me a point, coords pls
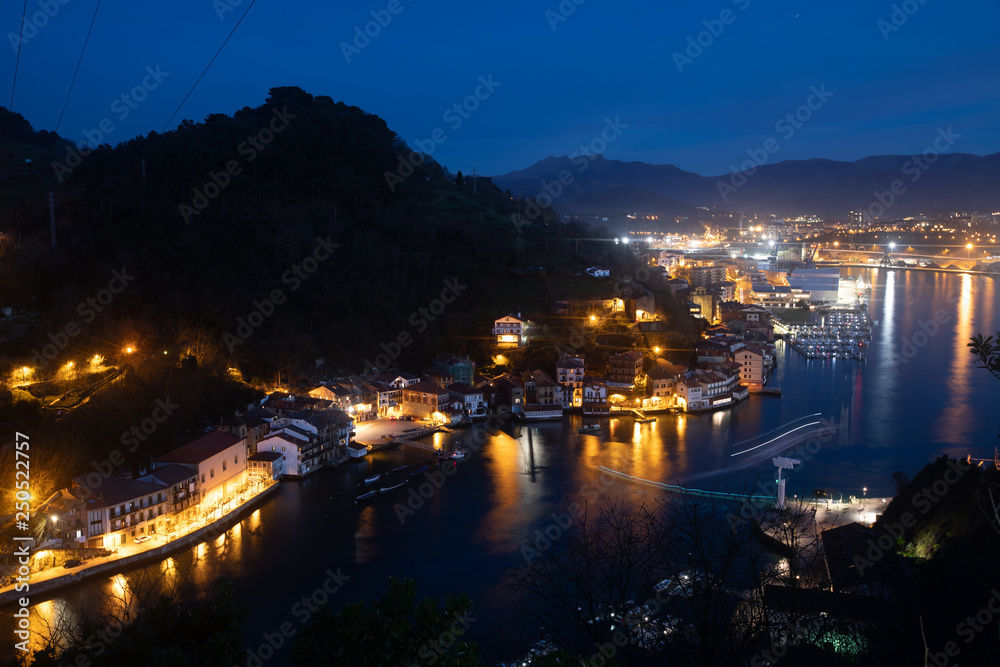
(387, 489)
(589, 428)
(372, 479)
(418, 471)
(459, 454)
(364, 496)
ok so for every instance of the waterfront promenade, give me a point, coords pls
(47, 581)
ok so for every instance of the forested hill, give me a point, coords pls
(214, 218)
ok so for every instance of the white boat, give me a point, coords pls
(458, 454)
(372, 479)
(363, 496)
(387, 489)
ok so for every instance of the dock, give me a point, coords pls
(407, 439)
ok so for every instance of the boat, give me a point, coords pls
(418, 471)
(398, 468)
(647, 420)
(387, 489)
(372, 479)
(459, 454)
(589, 428)
(363, 496)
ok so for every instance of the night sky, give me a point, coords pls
(562, 69)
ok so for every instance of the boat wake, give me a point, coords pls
(758, 450)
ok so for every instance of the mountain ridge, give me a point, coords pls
(945, 181)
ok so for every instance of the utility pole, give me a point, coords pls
(52, 217)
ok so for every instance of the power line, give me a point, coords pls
(207, 66)
(77, 70)
(17, 61)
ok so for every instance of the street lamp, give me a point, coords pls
(968, 246)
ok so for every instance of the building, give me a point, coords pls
(569, 373)
(220, 459)
(662, 384)
(438, 377)
(753, 366)
(265, 467)
(625, 369)
(678, 285)
(670, 260)
(424, 399)
(461, 369)
(639, 304)
(290, 444)
(181, 483)
(357, 451)
(778, 296)
(823, 284)
(247, 426)
(119, 510)
(471, 398)
(510, 389)
(536, 412)
(389, 399)
(705, 276)
(396, 379)
(726, 290)
(689, 395)
(540, 388)
(510, 331)
(595, 397)
(708, 304)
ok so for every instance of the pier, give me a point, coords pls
(408, 440)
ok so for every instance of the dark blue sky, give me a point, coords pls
(557, 86)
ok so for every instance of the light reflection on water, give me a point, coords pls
(464, 536)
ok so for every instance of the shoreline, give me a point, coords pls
(41, 591)
(854, 265)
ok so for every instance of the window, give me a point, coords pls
(223, 466)
(236, 458)
(202, 478)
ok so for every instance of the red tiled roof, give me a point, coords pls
(426, 388)
(201, 449)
